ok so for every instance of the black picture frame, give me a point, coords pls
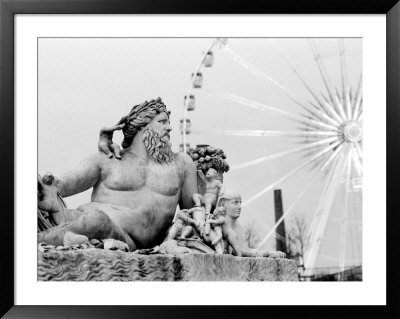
(9, 8)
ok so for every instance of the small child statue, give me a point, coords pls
(214, 189)
(183, 225)
(213, 229)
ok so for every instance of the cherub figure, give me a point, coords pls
(182, 226)
(213, 229)
(214, 189)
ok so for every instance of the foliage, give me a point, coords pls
(251, 234)
(298, 239)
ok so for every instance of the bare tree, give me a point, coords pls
(251, 234)
(298, 240)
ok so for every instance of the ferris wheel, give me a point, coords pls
(295, 110)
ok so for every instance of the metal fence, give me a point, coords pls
(332, 274)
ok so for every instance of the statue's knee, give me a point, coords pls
(96, 220)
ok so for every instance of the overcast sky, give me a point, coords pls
(85, 84)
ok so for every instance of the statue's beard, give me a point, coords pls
(158, 148)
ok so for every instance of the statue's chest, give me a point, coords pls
(137, 175)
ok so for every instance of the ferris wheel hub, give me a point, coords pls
(352, 131)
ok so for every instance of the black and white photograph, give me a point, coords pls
(200, 159)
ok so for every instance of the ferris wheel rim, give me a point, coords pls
(186, 102)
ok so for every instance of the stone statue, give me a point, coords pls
(214, 189)
(213, 229)
(135, 193)
(183, 225)
(232, 232)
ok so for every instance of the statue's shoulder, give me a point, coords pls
(185, 160)
(97, 159)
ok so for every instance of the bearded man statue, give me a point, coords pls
(135, 191)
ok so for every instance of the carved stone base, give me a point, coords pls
(104, 265)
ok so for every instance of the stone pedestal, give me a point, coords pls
(104, 265)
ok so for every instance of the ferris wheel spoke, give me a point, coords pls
(344, 107)
(336, 107)
(312, 125)
(357, 161)
(345, 213)
(316, 218)
(359, 151)
(360, 116)
(316, 113)
(357, 104)
(343, 73)
(348, 104)
(345, 88)
(322, 104)
(325, 78)
(308, 146)
(327, 114)
(329, 109)
(250, 103)
(334, 155)
(246, 102)
(262, 133)
(262, 106)
(301, 166)
(260, 74)
(359, 84)
(321, 217)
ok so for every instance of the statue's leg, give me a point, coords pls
(218, 235)
(197, 199)
(219, 247)
(208, 203)
(93, 224)
(56, 235)
(173, 232)
(187, 232)
(71, 238)
(200, 215)
(66, 216)
(53, 236)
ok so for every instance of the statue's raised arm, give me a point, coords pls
(189, 186)
(106, 144)
(81, 178)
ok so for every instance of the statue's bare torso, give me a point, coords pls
(139, 195)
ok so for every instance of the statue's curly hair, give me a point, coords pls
(139, 116)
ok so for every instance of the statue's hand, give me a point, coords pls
(106, 144)
(274, 254)
(171, 247)
(48, 194)
(203, 230)
(114, 244)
